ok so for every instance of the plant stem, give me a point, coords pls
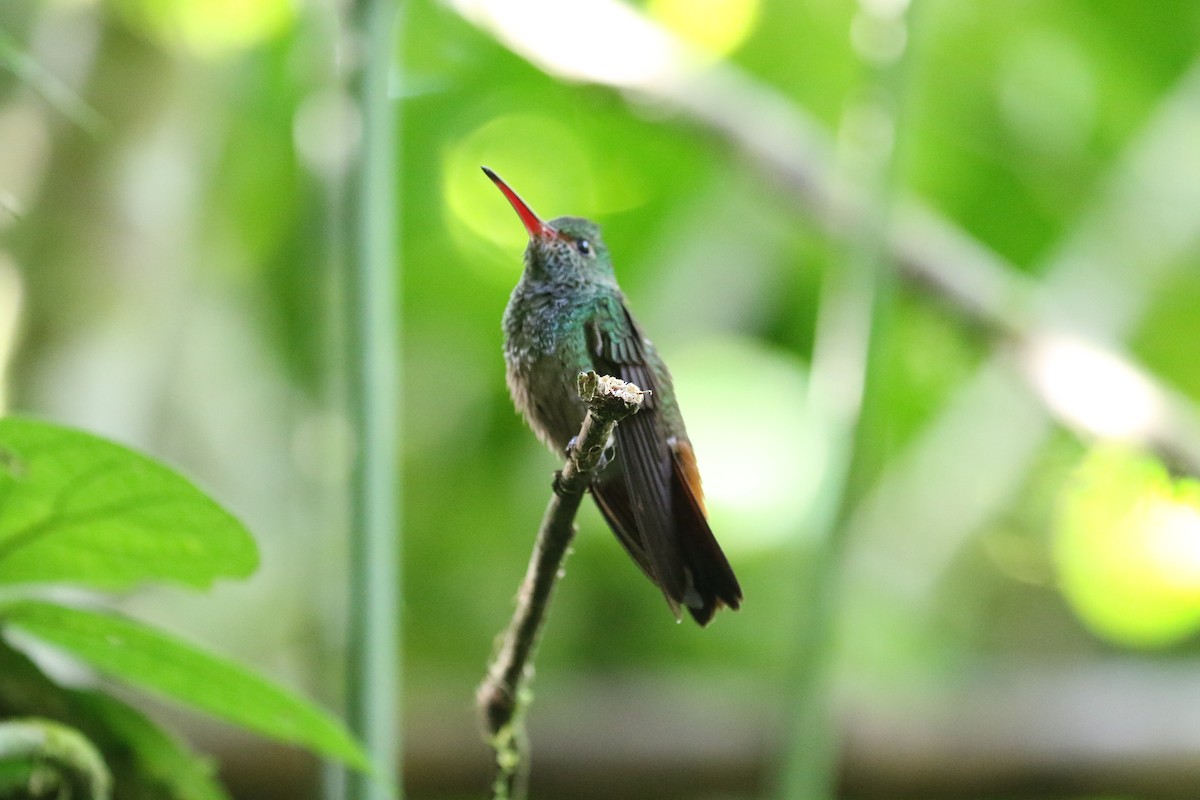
(374, 630)
(502, 697)
(853, 318)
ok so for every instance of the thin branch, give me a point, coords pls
(57, 93)
(791, 151)
(502, 695)
(1118, 255)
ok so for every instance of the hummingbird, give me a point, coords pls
(567, 315)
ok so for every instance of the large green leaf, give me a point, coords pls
(77, 508)
(147, 763)
(127, 650)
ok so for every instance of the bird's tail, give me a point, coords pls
(652, 500)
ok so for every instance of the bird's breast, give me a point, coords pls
(545, 349)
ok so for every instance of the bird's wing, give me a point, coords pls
(634, 494)
(651, 495)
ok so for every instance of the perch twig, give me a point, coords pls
(502, 695)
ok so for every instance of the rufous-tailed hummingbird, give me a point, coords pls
(567, 315)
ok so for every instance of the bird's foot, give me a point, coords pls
(606, 455)
(559, 487)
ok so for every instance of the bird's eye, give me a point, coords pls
(584, 246)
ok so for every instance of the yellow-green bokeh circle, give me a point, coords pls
(210, 28)
(744, 404)
(1127, 550)
(547, 164)
(717, 27)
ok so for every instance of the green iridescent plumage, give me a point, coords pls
(567, 315)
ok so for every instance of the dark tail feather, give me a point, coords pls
(643, 459)
(612, 498)
(651, 499)
(711, 576)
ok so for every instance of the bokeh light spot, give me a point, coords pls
(543, 160)
(211, 28)
(327, 130)
(1092, 388)
(745, 406)
(1127, 549)
(1047, 93)
(717, 27)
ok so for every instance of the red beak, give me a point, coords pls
(530, 220)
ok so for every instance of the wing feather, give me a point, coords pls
(651, 495)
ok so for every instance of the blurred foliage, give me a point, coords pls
(145, 762)
(178, 272)
(47, 759)
(211, 29)
(81, 511)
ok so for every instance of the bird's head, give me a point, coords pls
(565, 249)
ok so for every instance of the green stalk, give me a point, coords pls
(855, 310)
(373, 327)
(40, 756)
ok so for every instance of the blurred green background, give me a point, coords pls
(1018, 579)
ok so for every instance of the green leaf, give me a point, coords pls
(77, 508)
(147, 763)
(160, 759)
(130, 651)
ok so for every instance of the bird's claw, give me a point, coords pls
(557, 484)
(606, 455)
